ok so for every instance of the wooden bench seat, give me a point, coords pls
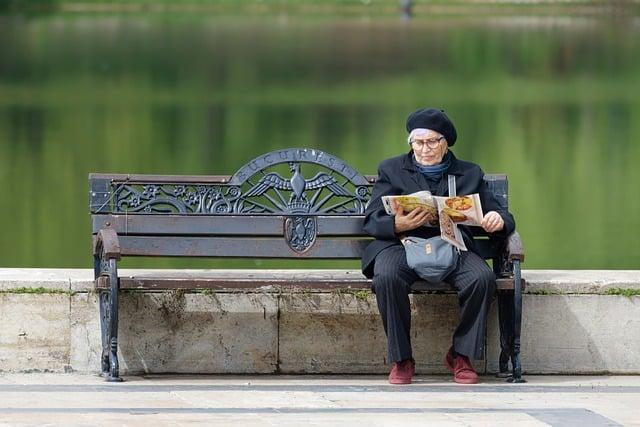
(256, 280)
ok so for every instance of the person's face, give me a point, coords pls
(429, 147)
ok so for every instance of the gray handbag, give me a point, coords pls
(432, 259)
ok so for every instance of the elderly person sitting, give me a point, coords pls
(425, 167)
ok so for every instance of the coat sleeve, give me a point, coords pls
(489, 203)
(377, 222)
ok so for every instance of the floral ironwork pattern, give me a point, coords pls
(172, 198)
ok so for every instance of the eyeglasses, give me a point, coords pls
(419, 144)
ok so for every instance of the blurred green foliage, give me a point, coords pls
(552, 102)
(28, 5)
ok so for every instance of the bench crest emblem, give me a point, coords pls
(300, 232)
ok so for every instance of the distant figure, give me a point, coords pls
(405, 7)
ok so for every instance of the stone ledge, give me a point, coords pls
(570, 326)
(48, 278)
(538, 281)
(580, 281)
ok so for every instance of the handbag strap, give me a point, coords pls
(452, 185)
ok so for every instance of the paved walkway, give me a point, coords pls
(85, 400)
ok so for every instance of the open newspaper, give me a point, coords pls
(446, 212)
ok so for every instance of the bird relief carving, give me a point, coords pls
(271, 187)
(300, 232)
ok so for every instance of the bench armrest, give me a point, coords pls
(515, 249)
(106, 243)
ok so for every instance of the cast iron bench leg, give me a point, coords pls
(505, 316)
(113, 375)
(104, 329)
(505, 319)
(103, 300)
(517, 324)
(510, 318)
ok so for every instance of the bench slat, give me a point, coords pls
(238, 247)
(230, 225)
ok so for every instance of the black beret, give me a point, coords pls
(434, 119)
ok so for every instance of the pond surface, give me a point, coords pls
(554, 103)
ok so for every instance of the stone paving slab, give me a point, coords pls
(331, 332)
(574, 334)
(140, 418)
(34, 332)
(217, 333)
(72, 399)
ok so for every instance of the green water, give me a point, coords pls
(554, 103)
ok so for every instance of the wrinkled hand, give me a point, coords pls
(413, 219)
(492, 222)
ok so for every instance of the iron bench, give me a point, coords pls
(258, 213)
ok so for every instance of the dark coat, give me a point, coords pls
(397, 176)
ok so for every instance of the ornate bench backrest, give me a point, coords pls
(284, 204)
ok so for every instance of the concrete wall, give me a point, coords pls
(570, 325)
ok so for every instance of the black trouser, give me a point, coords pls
(472, 279)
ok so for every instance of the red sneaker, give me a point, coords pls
(402, 372)
(461, 368)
